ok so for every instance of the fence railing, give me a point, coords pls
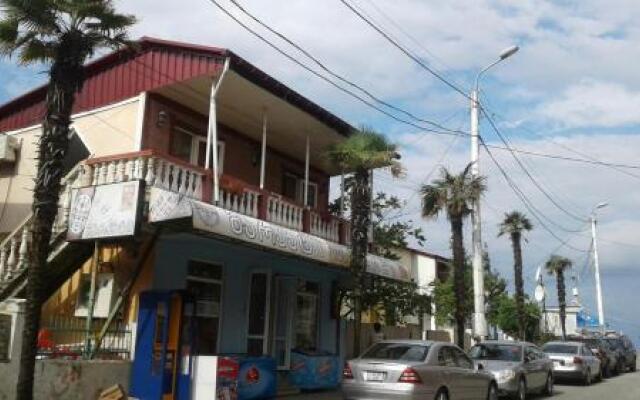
(64, 337)
(176, 175)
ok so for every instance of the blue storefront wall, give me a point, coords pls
(173, 252)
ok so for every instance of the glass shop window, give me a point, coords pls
(204, 284)
(307, 315)
(258, 323)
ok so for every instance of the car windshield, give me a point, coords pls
(497, 352)
(398, 352)
(560, 348)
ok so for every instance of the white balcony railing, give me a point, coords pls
(325, 228)
(285, 213)
(175, 175)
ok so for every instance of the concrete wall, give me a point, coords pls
(111, 130)
(70, 379)
(553, 320)
(9, 370)
(174, 252)
(57, 379)
(65, 379)
(106, 131)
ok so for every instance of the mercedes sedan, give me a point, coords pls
(519, 368)
(415, 369)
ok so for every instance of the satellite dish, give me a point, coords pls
(539, 293)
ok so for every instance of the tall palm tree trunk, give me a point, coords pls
(458, 278)
(66, 78)
(562, 302)
(519, 283)
(361, 219)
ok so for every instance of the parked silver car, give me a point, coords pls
(416, 369)
(520, 368)
(574, 360)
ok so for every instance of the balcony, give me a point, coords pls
(175, 175)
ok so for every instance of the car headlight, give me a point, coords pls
(504, 375)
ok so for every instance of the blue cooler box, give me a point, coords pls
(314, 370)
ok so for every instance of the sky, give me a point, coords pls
(572, 90)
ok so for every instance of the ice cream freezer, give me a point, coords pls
(312, 370)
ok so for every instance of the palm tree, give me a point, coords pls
(454, 195)
(515, 224)
(62, 34)
(362, 152)
(557, 265)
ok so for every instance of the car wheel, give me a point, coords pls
(548, 387)
(586, 380)
(521, 394)
(493, 392)
(442, 395)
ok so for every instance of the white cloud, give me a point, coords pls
(593, 103)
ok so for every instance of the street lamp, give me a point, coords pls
(596, 263)
(479, 320)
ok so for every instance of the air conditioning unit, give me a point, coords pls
(9, 146)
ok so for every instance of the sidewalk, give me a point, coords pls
(322, 395)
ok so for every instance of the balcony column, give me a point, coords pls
(263, 152)
(342, 194)
(212, 134)
(306, 174)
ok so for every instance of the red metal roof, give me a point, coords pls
(125, 73)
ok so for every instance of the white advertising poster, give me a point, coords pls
(165, 205)
(209, 218)
(106, 211)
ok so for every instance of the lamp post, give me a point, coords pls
(596, 263)
(479, 320)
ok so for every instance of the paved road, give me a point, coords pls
(623, 387)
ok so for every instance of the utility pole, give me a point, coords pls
(596, 262)
(479, 319)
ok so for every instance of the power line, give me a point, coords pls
(333, 73)
(528, 174)
(412, 38)
(536, 210)
(443, 129)
(404, 50)
(525, 201)
(453, 142)
(590, 159)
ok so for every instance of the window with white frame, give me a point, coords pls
(204, 284)
(258, 314)
(293, 188)
(307, 315)
(192, 148)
